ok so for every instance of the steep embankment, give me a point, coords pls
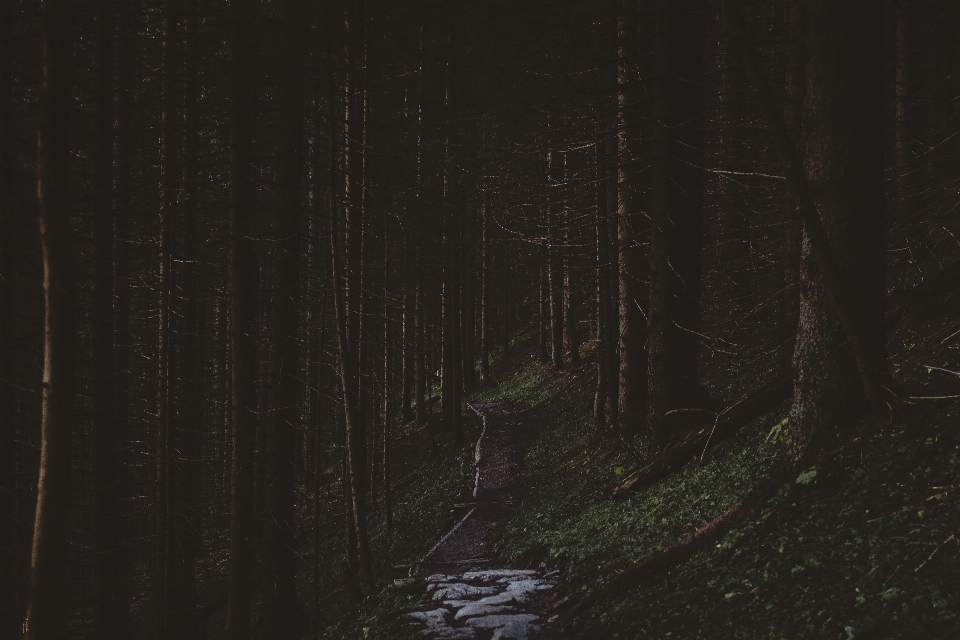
(864, 546)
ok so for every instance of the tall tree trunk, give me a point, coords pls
(348, 285)
(166, 573)
(46, 603)
(485, 288)
(843, 115)
(111, 604)
(909, 111)
(674, 315)
(243, 274)
(282, 614)
(10, 611)
(554, 261)
(602, 288)
(610, 184)
(858, 323)
(631, 230)
(795, 81)
(191, 379)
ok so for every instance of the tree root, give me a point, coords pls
(709, 433)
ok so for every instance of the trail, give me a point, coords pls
(474, 595)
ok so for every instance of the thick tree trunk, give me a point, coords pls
(243, 274)
(111, 603)
(843, 114)
(795, 81)
(44, 619)
(282, 614)
(631, 230)
(859, 324)
(676, 222)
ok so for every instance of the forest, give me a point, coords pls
(484, 319)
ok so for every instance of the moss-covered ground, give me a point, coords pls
(865, 546)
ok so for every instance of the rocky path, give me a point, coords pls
(471, 594)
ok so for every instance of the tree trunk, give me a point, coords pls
(674, 315)
(485, 288)
(111, 603)
(243, 274)
(631, 230)
(554, 261)
(843, 114)
(10, 557)
(282, 614)
(191, 379)
(44, 619)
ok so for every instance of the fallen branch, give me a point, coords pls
(709, 434)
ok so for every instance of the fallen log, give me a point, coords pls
(709, 433)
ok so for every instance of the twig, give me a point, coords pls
(934, 553)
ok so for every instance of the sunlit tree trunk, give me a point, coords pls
(44, 619)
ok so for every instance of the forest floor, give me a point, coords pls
(471, 593)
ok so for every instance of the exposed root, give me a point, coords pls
(709, 434)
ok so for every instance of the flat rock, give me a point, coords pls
(434, 615)
(436, 627)
(459, 591)
(515, 630)
(475, 609)
(491, 574)
(501, 620)
(523, 589)
(507, 597)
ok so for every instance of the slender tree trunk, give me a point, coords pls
(909, 112)
(631, 230)
(111, 603)
(602, 288)
(348, 285)
(243, 273)
(282, 614)
(554, 261)
(610, 186)
(166, 569)
(191, 380)
(46, 602)
(10, 557)
(485, 288)
(674, 315)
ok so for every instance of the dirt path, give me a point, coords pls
(473, 595)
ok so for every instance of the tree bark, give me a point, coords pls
(44, 619)
(675, 240)
(111, 603)
(843, 117)
(243, 274)
(282, 614)
(554, 260)
(860, 327)
(631, 230)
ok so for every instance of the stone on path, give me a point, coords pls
(496, 621)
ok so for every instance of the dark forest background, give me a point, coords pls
(279, 238)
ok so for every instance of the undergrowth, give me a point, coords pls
(863, 547)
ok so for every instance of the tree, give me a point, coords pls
(44, 617)
(675, 240)
(243, 270)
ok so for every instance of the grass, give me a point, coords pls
(842, 552)
(863, 547)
